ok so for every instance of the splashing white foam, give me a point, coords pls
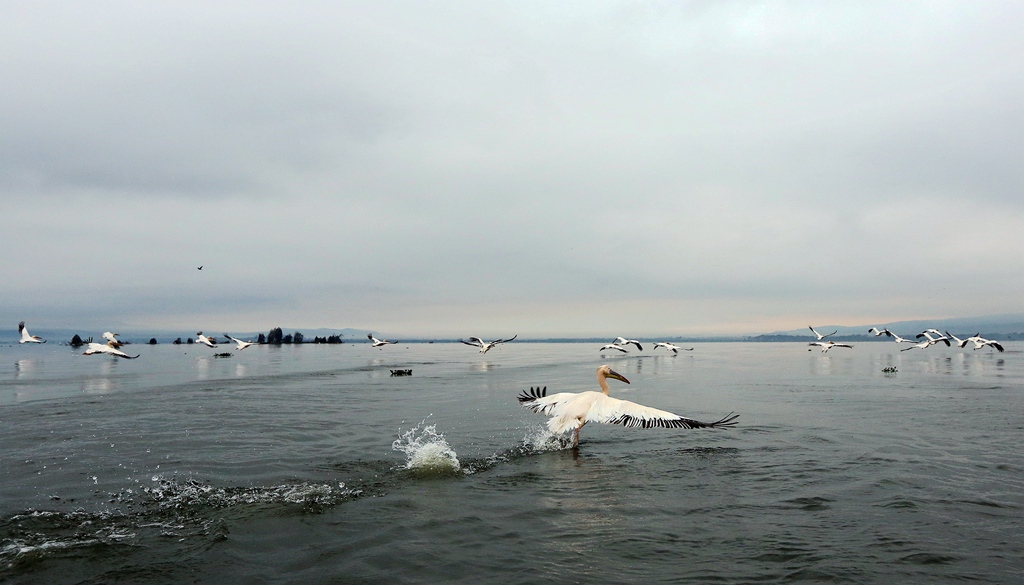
(426, 450)
(541, 439)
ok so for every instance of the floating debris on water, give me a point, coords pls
(401, 372)
(889, 370)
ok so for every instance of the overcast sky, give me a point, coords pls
(492, 168)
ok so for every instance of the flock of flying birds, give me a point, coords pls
(930, 336)
(568, 412)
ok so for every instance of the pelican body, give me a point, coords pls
(671, 347)
(827, 345)
(26, 337)
(569, 411)
(378, 342)
(486, 346)
(241, 344)
(107, 348)
(207, 341)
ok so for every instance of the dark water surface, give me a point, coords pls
(313, 464)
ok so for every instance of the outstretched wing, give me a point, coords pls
(614, 411)
(474, 341)
(537, 399)
(505, 340)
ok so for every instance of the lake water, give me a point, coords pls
(312, 464)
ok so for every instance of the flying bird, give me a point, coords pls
(671, 347)
(614, 346)
(486, 346)
(827, 345)
(200, 268)
(95, 348)
(878, 332)
(207, 341)
(241, 344)
(980, 342)
(624, 341)
(569, 411)
(927, 333)
(897, 338)
(378, 342)
(819, 335)
(112, 339)
(26, 337)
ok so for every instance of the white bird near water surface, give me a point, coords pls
(378, 342)
(671, 347)
(207, 341)
(486, 346)
(95, 348)
(614, 346)
(571, 410)
(240, 344)
(827, 345)
(112, 339)
(624, 341)
(26, 337)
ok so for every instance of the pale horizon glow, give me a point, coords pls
(547, 169)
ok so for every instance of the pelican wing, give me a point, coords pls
(474, 341)
(537, 399)
(505, 340)
(614, 411)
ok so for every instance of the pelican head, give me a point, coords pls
(605, 372)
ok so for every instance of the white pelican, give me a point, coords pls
(959, 342)
(241, 344)
(25, 337)
(95, 348)
(878, 332)
(624, 341)
(927, 333)
(899, 339)
(112, 339)
(980, 342)
(827, 345)
(378, 342)
(208, 341)
(486, 346)
(671, 347)
(819, 335)
(571, 410)
(614, 346)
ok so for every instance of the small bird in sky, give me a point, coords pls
(819, 335)
(827, 345)
(95, 348)
(486, 346)
(624, 341)
(671, 347)
(378, 342)
(569, 411)
(25, 337)
(200, 268)
(241, 344)
(208, 341)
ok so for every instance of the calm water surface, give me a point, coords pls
(312, 464)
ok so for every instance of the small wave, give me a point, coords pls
(426, 451)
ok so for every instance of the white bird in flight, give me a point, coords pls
(571, 410)
(378, 342)
(927, 333)
(486, 346)
(878, 332)
(112, 339)
(827, 345)
(241, 344)
(819, 335)
(207, 341)
(980, 342)
(25, 337)
(614, 346)
(624, 341)
(95, 348)
(671, 347)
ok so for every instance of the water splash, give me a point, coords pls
(426, 451)
(539, 439)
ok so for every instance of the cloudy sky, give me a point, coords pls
(490, 168)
